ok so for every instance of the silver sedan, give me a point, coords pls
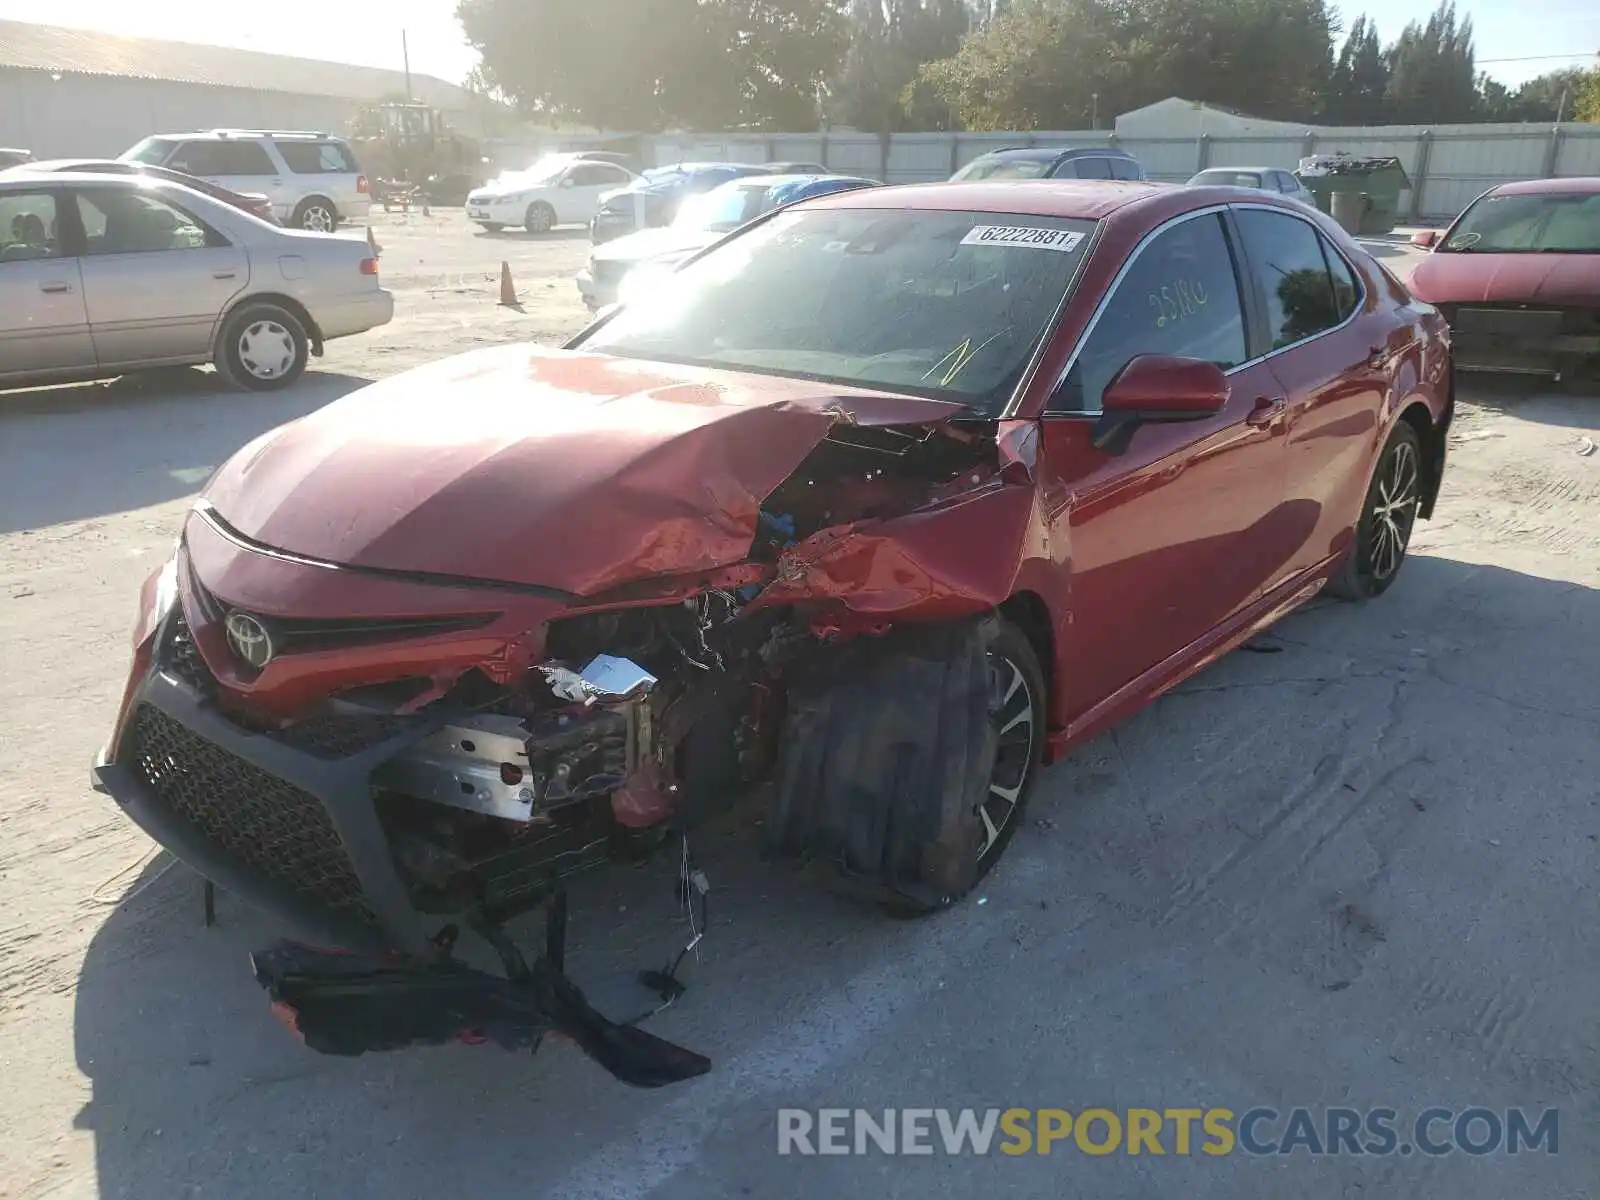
(102, 276)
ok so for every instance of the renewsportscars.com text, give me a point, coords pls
(1177, 1131)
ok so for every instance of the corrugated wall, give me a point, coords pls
(1448, 164)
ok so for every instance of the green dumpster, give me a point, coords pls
(1381, 180)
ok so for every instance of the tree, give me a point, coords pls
(1360, 79)
(1432, 80)
(649, 64)
(1587, 107)
(890, 40)
(1549, 96)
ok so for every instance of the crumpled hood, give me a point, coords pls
(543, 467)
(1560, 279)
(648, 245)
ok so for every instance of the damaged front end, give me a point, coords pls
(382, 753)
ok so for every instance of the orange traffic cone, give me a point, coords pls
(508, 290)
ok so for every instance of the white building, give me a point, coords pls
(1176, 117)
(76, 92)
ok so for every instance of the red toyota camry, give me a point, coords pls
(866, 513)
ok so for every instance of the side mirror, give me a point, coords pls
(1158, 387)
(569, 181)
(1425, 238)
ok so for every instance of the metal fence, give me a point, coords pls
(1448, 164)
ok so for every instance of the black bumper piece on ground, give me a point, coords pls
(289, 825)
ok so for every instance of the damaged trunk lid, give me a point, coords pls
(547, 468)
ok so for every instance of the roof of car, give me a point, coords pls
(1051, 153)
(1582, 185)
(1086, 199)
(10, 179)
(1244, 170)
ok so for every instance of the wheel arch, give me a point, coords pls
(288, 303)
(310, 196)
(1029, 613)
(1431, 435)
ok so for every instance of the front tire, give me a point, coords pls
(540, 218)
(907, 760)
(262, 348)
(1388, 516)
(317, 214)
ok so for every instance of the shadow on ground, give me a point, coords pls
(1532, 398)
(515, 233)
(1357, 870)
(136, 441)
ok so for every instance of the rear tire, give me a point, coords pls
(1388, 517)
(906, 761)
(316, 213)
(540, 218)
(262, 348)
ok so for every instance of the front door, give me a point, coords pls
(1177, 535)
(43, 324)
(155, 278)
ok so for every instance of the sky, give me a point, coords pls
(371, 34)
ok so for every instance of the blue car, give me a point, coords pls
(701, 221)
(657, 195)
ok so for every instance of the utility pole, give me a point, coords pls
(405, 55)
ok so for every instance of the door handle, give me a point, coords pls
(56, 287)
(224, 274)
(1266, 412)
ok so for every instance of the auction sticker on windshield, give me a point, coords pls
(1023, 235)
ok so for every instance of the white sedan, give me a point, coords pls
(554, 191)
(102, 275)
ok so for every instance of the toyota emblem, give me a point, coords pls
(249, 639)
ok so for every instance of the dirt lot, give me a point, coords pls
(1359, 871)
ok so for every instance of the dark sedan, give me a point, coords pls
(254, 203)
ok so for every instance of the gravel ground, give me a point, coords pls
(1357, 872)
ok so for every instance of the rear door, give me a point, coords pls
(324, 168)
(1332, 352)
(1174, 538)
(155, 277)
(44, 326)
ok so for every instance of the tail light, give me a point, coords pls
(369, 266)
(361, 184)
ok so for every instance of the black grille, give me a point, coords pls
(340, 735)
(254, 817)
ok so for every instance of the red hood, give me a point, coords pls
(563, 469)
(1559, 279)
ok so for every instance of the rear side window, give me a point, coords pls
(1125, 168)
(222, 158)
(1090, 168)
(126, 221)
(1285, 256)
(1346, 291)
(1180, 297)
(317, 158)
(1286, 182)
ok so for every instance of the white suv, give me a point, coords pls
(313, 179)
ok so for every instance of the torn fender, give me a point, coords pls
(559, 469)
(958, 557)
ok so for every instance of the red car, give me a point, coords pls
(257, 204)
(1518, 278)
(885, 501)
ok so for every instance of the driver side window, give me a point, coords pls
(1180, 297)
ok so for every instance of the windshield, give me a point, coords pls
(941, 304)
(1548, 223)
(152, 150)
(1003, 168)
(723, 208)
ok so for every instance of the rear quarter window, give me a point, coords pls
(317, 158)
